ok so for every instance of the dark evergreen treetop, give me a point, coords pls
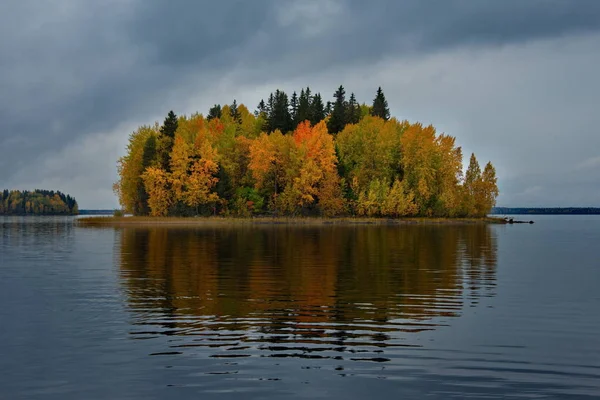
(353, 110)
(149, 154)
(261, 108)
(304, 106)
(380, 106)
(166, 140)
(234, 112)
(294, 108)
(170, 125)
(262, 112)
(328, 107)
(279, 112)
(317, 110)
(214, 112)
(337, 121)
(283, 114)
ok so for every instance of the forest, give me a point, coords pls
(298, 156)
(37, 202)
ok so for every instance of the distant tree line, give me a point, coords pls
(296, 155)
(547, 210)
(37, 202)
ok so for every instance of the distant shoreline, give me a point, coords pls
(546, 210)
(289, 221)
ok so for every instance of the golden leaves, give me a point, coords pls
(160, 197)
(385, 168)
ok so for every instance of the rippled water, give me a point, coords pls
(304, 312)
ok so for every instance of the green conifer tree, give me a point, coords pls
(338, 119)
(317, 110)
(294, 109)
(380, 106)
(214, 112)
(353, 110)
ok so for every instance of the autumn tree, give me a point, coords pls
(420, 165)
(369, 151)
(130, 186)
(448, 164)
(160, 197)
(472, 187)
(148, 160)
(180, 164)
(202, 178)
(269, 157)
(317, 183)
(489, 189)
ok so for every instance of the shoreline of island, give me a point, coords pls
(276, 221)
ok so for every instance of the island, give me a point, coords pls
(37, 202)
(296, 156)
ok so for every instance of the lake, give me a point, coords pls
(351, 312)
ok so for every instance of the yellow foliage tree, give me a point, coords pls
(180, 165)
(130, 187)
(160, 197)
(202, 180)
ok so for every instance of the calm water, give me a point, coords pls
(331, 312)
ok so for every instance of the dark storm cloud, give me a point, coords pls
(69, 69)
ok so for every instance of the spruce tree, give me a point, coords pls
(317, 110)
(294, 109)
(304, 106)
(261, 112)
(353, 110)
(270, 108)
(214, 112)
(167, 138)
(279, 115)
(170, 125)
(261, 109)
(328, 107)
(338, 119)
(380, 106)
(234, 112)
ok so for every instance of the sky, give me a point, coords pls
(516, 82)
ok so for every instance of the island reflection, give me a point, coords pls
(242, 289)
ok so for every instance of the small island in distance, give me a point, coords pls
(37, 202)
(297, 156)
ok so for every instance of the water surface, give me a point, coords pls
(303, 312)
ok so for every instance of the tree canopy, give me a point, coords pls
(296, 156)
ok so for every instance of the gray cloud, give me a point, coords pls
(73, 71)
